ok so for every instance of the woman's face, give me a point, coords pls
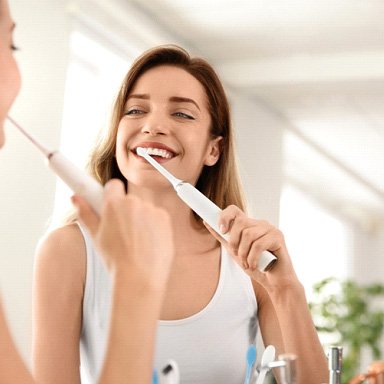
(9, 72)
(166, 111)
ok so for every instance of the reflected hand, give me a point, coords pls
(130, 234)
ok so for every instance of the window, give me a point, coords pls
(317, 240)
(94, 77)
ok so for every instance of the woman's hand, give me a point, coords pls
(277, 291)
(248, 238)
(130, 234)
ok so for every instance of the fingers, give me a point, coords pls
(227, 217)
(114, 188)
(257, 248)
(86, 214)
(243, 242)
(248, 237)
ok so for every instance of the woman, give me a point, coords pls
(122, 259)
(12, 368)
(175, 106)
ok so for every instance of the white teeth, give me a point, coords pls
(157, 152)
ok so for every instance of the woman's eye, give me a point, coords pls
(134, 112)
(184, 115)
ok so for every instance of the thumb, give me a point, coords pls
(215, 234)
(86, 214)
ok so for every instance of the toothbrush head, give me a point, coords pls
(141, 151)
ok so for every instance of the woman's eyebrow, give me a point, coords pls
(174, 99)
(179, 99)
(139, 96)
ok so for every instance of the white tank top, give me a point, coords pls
(209, 347)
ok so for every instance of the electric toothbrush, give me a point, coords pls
(251, 359)
(155, 377)
(170, 374)
(200, 204)
(78, 180)
(267, 357)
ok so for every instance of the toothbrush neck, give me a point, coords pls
(178, 184)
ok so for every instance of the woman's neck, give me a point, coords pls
(190, 234)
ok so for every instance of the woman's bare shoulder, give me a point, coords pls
(67, 237)
(62, 249)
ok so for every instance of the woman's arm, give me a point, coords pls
(299, 336)
(284, 317)
(12, 366)
(129, 355)
(57, 306)
(136, 243)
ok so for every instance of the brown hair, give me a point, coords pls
(219, 182)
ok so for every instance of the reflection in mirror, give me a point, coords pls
(306, 85)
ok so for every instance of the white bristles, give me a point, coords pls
(141, 151)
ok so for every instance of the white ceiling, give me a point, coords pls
(319, 65)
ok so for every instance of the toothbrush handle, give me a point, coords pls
(248, 375)
(78, 180)
(210, 212)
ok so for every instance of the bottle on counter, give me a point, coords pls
(287, 369)
(335, 360)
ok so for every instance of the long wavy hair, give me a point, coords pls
(220, 182)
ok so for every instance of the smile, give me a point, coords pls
(158, 152)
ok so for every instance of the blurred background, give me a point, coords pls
(305, 80)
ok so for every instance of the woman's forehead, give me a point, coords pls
(169, 79)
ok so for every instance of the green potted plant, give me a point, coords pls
(346, 314)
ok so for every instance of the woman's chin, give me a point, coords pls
(155, 182)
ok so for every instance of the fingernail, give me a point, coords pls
(222, 228)
(75, 201)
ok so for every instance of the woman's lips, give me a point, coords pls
(157, 157)
(158, 151)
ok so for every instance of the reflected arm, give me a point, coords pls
(12, 366)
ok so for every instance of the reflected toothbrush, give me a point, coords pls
(155, 377)
(200, 204)
(170, 374)
(78, 180)
(251, 359)
(267, 357)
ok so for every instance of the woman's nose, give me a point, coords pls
(155, 126)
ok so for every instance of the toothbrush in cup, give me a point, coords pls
(251, 359)
(170, 374)
(200, 204)
(267, 357)
(78, 180)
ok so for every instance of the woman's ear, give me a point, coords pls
(214, 151)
